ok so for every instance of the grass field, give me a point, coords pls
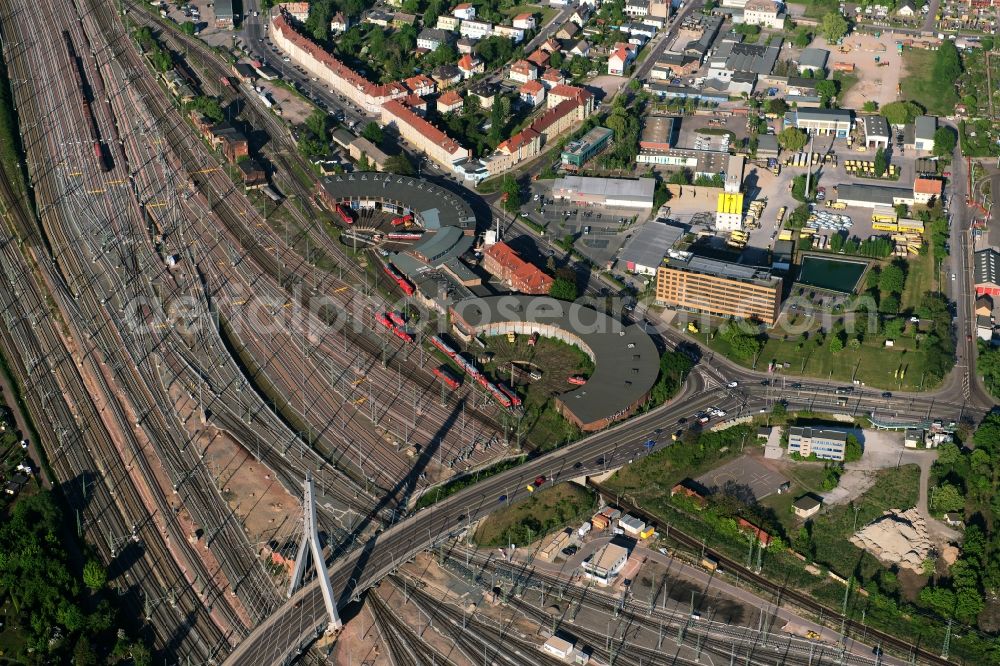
(921, 278)
(873, 363)
(544, 511)
(816, 9)
(806, 477)
(918, 84)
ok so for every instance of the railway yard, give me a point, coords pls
(192, 350)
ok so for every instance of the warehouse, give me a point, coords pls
(612, 192)
(658, 133)
(876, 132)
(869, 196)
(644, 252)
(821, 121)
(700, 162)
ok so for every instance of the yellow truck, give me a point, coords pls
(692, 327)
(838, 205)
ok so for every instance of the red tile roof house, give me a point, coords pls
(525, 21)
(539, 57)
(504, 263)
(449, 101)
(619, 60)
(470, 65)
(523, 71)
(532, 92)
(552, 77)
(925, 189)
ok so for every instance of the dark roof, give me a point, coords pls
(814, 58)
(840, 115)
(436, 206)
(875, 126)
(224, 9)
(987, 265)
(873, 194)
(245, 70)
(625, 358)
(807, 502)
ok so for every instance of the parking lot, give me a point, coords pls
(690, 138)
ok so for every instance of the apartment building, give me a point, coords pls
(501, 261)
(765, 13)
(825, 444)
(513, 33)
(437, 145)
(475, 29)
(720, 288)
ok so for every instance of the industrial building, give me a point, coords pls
(605, 564)
(821, 121)
(579, 152)
(729, 212)
(924, 128)
(734, 174)
(699, 162)
(824, 444)
(877, 133)
(626, 362)
(611, 192)
(813, 60)
(225, 17)
(644, 252)
(870, 196)
(720, 288)
(658, 133)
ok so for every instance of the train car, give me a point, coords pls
(344, 215)
(404, 235)
(400, 221)
(450, 380)
(399, 279)
(382, 319)
(397, 319)
(443, 346)
(510, 393)
(402, 335)
(498, 395)
(95, 137)
(576, 380)
(483, 381)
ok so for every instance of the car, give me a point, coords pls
(682, 420)
(503, 498)
(539, 480)
(578, 465)
(650, 443)
(704, 419)
(24, 443)
(461, 517)
(887, 394)
(796, 385)
(733, 384)
(953, 276)
(569, 550)
(696, 615)
(765, 382)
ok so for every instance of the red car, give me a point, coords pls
(539, 480)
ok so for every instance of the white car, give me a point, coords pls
(952, 276)
(733, 384)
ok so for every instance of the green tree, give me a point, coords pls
(827, 90)
(511, 195)
(792, 138)
(945, 140)
(363, 163)
(400, 164)
(947, 64)
(900, 113)
(881, 163)
(836, 344)
(563, 289)
(852, 449)
(680, 177)
(373, 133)
(945, 497)
(802, 37)
(891, 279)
(94, 575)
(83, 653)
(777, 106)
(870, 106)
(833, 27)
(889, 304)
(208, 107)
(188, 28)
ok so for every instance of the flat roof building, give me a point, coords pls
(612, 192)
(824, 444)
(870, 196)
(822, 121)
(700, 162)
(658, 132)
(876, 131)
(579, 152)
(644, 252)
(605, 564)
(924, 128)
(720, 288)
(729, 212)
(734, 174)
(626, 362)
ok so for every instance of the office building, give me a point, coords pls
(720, 288)
(605, 564)
(579, 152)
(824, 444)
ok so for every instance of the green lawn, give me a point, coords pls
(806, 477)
(543, 511)
(921, 278)
(873, 363)
(917, 84)
(546, 12)
(816, 9)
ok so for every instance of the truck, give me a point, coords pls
(709, 563)
(583, 530)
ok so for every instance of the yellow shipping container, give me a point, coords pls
(885, 226)
(785, 235)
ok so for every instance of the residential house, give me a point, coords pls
(446, 76)
(563, 92)
(420, 85)
(417, 103)
(379, 18)
(764, 13)
(464, 11)
(984, 328)
(523, 71)
(581, 15)
(552, 77)
(954, 519)
(512, 33)
(376, 157)
(567, 31)
(449, 101)
(470, 65)
(522, 146)
(525, 21)
(465, 45)
(448, 23)
(906, 9)
(437, 145)
(485, 94)
(340, 23)
(401, 19)
(532, 92)
(984, 306)
(926, 189)
(551, 45)
(620, 59)
(635, 8)
(431, 38)
(539, 58)
(580, 50)
(475, 29)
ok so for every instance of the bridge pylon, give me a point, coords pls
(310, 551)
